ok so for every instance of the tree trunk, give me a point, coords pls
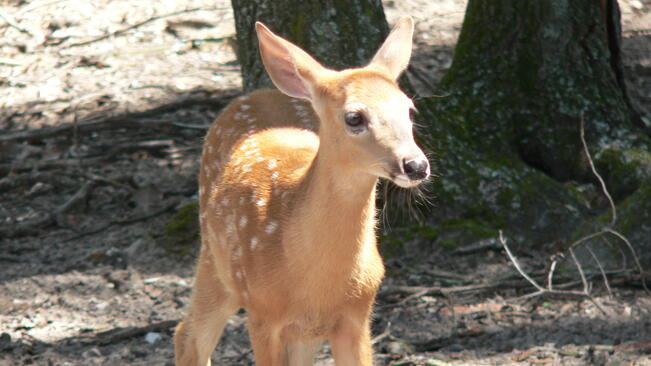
(338, 33)
(525, 73)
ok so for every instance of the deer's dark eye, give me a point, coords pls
(354, 119)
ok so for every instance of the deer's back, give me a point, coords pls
(255, 155)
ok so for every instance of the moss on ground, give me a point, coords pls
(182, 231)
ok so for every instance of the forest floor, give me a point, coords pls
(103, 108)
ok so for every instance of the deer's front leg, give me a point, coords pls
(268, 347)
(351, 339)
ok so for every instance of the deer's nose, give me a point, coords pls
(416, 169)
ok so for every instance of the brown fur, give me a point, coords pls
(287, 226)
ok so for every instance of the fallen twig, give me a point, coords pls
(549, 291)
(607, 230)
(12, 23)
(134, 26)
(594, 171)
(30, 227)
(126, 120)
(147, 145)
(119, 334)
(160, 211)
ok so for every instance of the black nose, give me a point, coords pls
(416, 169)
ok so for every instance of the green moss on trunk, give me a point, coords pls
(525, 73)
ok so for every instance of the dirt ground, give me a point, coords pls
(99, 147)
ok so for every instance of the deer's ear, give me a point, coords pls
(291, 69)
(395, 52)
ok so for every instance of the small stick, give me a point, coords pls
(601, 269)
(517, 265)
(635, 257)
(11, 22)
(586, 287)
(551, 275)
(594, 171)
(134, 26)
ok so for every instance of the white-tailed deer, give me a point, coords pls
(288, 213)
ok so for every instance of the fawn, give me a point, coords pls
(287, 205)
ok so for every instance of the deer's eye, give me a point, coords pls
(356, 123)
(354, 119)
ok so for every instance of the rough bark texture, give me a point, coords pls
(339, 33)
(524, 74)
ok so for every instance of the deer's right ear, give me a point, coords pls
(291, 69)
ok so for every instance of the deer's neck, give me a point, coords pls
(335, 217)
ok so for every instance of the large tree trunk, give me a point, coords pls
(338, 33)
(525, 73)
(539, 67)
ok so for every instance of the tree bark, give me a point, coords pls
(525, 73)
(542, 67)
(338, 33)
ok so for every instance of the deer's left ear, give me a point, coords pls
(395, 52)
(291, 69)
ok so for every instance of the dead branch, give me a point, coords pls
(539, 289)
(608, 230)
(594, 171)
(16, 181)
(133, 220)
(147, 145)
(30, 227)
(139, 24)
(601, 270)
(12, 23)
(635, 257)
(127, 120)
(119, 334)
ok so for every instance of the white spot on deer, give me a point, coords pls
(259, 159)
(244, 107)
(243, 98)
(209, 147)
(237, 254)
(239, 115)
(225, 202)
(254, 243)
(252, 152)
(200, 191)
(243, 221)
(251, 119)
(261, 202)
(272, 164)
(242, 201)
(245, 295)
(238, 275)
(272, 226)
(275, 175)
(230, 228)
